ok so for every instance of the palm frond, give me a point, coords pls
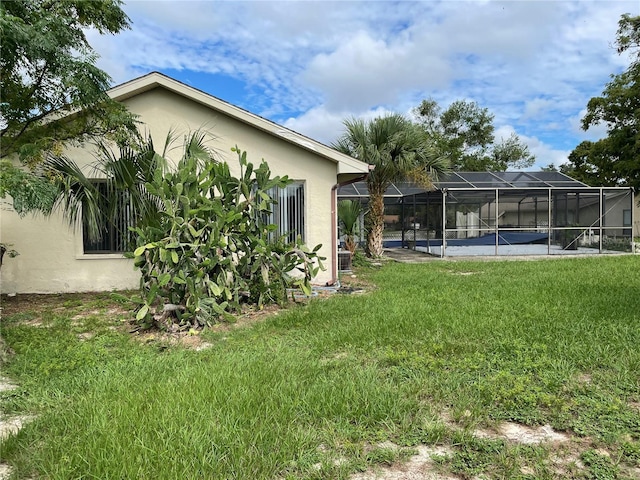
(80, 199)
(123, 174)
(349, 212)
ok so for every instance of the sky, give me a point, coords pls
(309, 65)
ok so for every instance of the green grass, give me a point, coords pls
(310, 392)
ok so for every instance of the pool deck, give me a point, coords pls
(405, 255)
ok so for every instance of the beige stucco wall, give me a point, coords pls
(51, 257)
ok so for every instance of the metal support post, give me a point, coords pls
(444, 223)
(549, 222)
(496, 225)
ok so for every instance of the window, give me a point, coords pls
(288, 212)
(116, 236)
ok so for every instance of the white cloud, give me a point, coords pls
(536, 107)
(595, 132)
(545, 154)
(365, 71)
(318, 124)
(326, 126)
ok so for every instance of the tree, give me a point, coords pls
(615, 159)
(51, 92)
(464, 133)
(30, 192)
(399, 150)
(550, 168)
(594, 163)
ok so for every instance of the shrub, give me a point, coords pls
(211, 249)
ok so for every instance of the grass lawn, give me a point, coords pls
(435, 355)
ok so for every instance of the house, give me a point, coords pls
(55, 258)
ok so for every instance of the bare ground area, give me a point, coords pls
(9, 425)
(420, 466)
(423, 465)
(522, 434)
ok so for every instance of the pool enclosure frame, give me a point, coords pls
(505, 213)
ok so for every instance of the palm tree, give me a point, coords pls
(399, 150)
(123, 176)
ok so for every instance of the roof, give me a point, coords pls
(475, 181)
(346, 164)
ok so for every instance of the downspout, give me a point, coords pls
(334, 224)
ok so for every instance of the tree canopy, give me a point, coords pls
(464, 133)
(51, 91)
(615, 159)
(29, 192)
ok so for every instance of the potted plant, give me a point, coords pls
(349, 212)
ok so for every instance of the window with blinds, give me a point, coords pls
(288, 213)
(116, 236)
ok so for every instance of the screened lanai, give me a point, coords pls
(505, 213)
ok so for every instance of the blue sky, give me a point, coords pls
(308, 65)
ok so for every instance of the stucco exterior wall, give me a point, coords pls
(51, 255)
(51, 259)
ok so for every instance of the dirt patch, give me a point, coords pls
(34, 322)
(6, 385)
(510, 431)
(5, 471)
(405, 255)
(169, 339)
(584, 379)
(37, 303)
(248, 317)
(462, 274)
(12, 425)
(355, 281)
(335, 358)
(420, 466)
(633, 472)
(191, 338)
(565, 463)
(514, 432)
(111, 312)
